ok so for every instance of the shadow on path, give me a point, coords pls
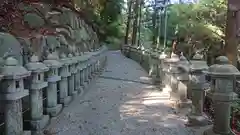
(121, 101)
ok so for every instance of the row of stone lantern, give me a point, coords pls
(70, 75)
(192, 76)
(187, 80)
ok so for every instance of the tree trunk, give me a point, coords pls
(130, 3)
(233, 18)
(139, 23)
(135, 23)
(154, 21)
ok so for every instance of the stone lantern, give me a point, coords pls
(222, 96)
(161, 67)
(172, 73)
(154, 64)
(83, 71)
(77, 77)
(11, 92)
(196, 92)
(52, 107)
(65, 99)
(38, 120)
(90, 65)
(71, 80)
(182, 86)
(87, 71)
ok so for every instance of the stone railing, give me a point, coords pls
(30, 95)
(192, 83)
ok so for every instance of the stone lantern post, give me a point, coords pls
(83, 72)
(90, 63)
(223, 95)
(182, 86)
(11, 92)
(65, 99)
(38, 120)
(52, 108)
(78, 86)
(71, 80)
(154, 65)
(197, 89)
(161, 68)
(87, 71)
(173, 72)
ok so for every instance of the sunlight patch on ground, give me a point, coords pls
(156, 97)
(145, 78)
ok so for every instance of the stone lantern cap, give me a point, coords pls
(52, 61)
(12, 69)
(36, 66)
(198, 66)
(64, 60)
(223, 69)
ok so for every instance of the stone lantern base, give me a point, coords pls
(210, 132)
(54, 111)
(40, 124)
(66, 101)
(194, 120)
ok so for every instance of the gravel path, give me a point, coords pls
(121, 102)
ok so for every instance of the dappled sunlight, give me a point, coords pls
(145, 78)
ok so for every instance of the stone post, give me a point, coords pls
(52, 107)
(90, 64)
(98, 63)
(87, 70)
(161, 69)
(38, 121)
(173, 72)
(223, 95)
(65, 99)
(78, 86)
(197, 86)
(95, 64)
(183, 81)
(71, 79)
(84, 72)
(154, 71)
(11, 92)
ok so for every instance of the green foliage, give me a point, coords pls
(201, 22)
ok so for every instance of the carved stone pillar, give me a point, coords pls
(65, 99)
(161, 69)
(11, 92)
(78, 86)
(173, 72)
(197, 86)
(222, 96)
(71, 80)
(38, 121)
(52, 107)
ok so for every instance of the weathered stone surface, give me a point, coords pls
(223, 95)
